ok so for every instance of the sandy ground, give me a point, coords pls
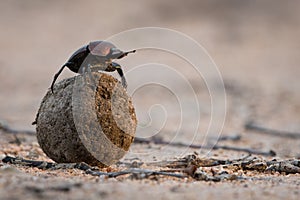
(254, 44)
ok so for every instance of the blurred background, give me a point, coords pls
(255, 44)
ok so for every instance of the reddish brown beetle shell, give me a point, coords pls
(100, 48)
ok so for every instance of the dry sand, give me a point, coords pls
(255, 45)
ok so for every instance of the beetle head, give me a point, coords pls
(101, 48)
(106, 50)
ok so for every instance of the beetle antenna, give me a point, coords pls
(126, 53)
(132, 51)
(56, 76)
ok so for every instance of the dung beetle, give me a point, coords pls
(95, 56)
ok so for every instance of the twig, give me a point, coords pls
(137, 172)
(187, 161)
(247, 150)
(288, 166)
(191, 169)
(202, 176)
(5, 128)
(44, 164)
(263, 130)
(157, 139)
(61, 188)
(195, 146)
(230, 137)
(192, 160)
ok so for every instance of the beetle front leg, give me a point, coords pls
(123, 80)
(58, 73)
(55, 78)
(120, 72)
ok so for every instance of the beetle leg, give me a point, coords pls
(120, 72)
(56, 76)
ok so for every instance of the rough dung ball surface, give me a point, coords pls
(88, 119)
